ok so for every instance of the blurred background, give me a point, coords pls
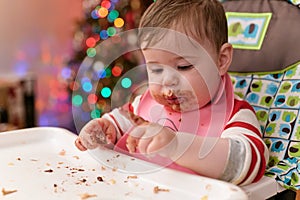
(43, 43)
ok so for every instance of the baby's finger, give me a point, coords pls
(79, 145)
(143, 145)
(131, 144)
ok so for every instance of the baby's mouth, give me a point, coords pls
(174, 100)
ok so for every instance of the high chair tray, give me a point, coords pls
(43, 163)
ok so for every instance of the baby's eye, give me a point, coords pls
(157, 70)
(186, 67)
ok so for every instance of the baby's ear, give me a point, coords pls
(225, 58)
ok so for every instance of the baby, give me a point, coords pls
(188, 119)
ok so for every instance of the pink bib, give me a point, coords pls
(208, 121)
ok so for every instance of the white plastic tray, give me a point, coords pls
(43, 163)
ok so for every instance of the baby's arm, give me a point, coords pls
(183, 148)
(107, 129)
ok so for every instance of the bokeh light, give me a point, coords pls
(126, 82)
(77, 100)
(87, 86)
(106, 92)
(103, 12)
(92, 98)
(116, 71)
(95, 114)
(111, 31)
(106, 4)
(91, 52)
(103, 35)
(90, 42)
(119, 22)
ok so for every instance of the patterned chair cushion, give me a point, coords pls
(276, 99)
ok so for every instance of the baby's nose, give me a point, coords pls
(171, 79)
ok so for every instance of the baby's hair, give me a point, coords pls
(200, 19)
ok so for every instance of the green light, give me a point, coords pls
(95, 114)
(114, 14)
(106, 92)
(77, 100)
(111, 31)
(108, 72)
(126, 83)
(91, 52)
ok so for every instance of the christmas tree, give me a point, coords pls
(93, 89)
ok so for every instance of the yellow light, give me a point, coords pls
(103, 12)
(119, 22)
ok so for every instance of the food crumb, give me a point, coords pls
(76, 157)
(62, 152)
(6, 192)
(156, 189)
(86, 196)
(112, 181)
(18, 159)
(99, 178)
(10, 164)
(133, 177)
(48, 170)
(114, 169)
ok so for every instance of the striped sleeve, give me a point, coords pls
(244, 127)
(119, 117)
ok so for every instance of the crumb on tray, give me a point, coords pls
(132, 177)
(86, 196)
(6, 192)
(48, 170)
(62, 152)
(157, 189)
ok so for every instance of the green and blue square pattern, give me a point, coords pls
(275, 98)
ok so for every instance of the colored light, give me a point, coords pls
(114, 14)
(126, 83)
(87, 86)
(77, 100)
(94, 14)
(84, 79)
(98, 65)
(105, 92)
(111, 31)
(106, 4)
(108, 72)
(119, 22)
(66, 73)
(95, 114)
(103, 12)
(91, 52)
(90, 42)
(92, 98)
(101, 73)
(103, 34)
(116, 71)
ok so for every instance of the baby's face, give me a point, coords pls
(177, 83)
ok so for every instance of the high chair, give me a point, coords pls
(265, 71)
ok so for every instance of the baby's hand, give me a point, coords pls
(96, 133)
(152, 138)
